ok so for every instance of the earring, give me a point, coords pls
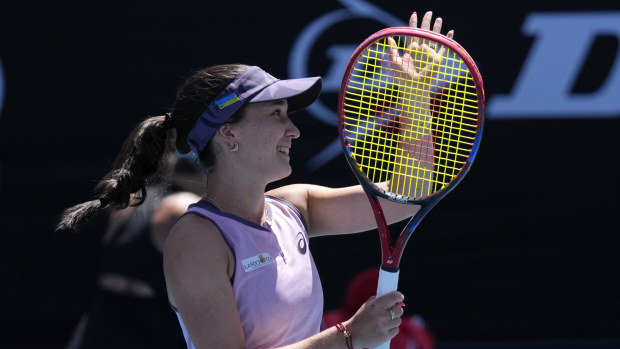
(234, 147)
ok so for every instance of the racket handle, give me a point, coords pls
(388, 282)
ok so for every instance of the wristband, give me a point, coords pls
(347, 335)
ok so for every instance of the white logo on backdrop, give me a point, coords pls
(338, 54)
(543, 88)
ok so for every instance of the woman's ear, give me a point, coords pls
(226, 133)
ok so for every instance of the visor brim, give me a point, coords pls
(299, 93)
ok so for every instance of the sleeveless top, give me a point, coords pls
(276, 284)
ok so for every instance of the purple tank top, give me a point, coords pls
(276, 284)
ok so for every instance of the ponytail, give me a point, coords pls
(141, 155)
(138, 161)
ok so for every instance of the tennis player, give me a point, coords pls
(238, 266)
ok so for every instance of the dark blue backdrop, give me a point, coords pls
(525, 248)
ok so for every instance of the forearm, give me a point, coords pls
(335, 211)
(414, 153)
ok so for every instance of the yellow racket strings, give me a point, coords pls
(416, 131)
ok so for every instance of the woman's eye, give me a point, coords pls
(277, 112)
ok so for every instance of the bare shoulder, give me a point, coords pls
(193, 232)
(296, 194)
(196, 248)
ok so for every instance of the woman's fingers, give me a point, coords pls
(420, 56)
(443, 51)
(413, 23)
(394, 55)
(392, 298)
(426, 20)
(391, 301)
(413, 20)
(437, 25)
(398, 310)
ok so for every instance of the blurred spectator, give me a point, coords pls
(131, 309)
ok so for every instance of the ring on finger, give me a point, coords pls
(391, 314)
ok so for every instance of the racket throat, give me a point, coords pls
(390, 269)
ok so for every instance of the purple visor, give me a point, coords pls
(252, 86)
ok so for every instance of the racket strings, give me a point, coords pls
(418, 134)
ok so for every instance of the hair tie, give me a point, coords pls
(168, 121)
(104, 201)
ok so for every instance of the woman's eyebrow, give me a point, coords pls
(276, 102)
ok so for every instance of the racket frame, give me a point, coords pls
(391, 254)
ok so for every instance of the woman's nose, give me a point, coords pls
(292, 130)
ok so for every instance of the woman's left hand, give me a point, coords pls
(419, 61)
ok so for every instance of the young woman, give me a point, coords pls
(238, 268)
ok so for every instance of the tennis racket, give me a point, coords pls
(410, 118)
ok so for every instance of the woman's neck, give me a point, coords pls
(237, 195)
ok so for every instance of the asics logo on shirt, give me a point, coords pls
(302, 245)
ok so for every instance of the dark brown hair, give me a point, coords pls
(140, 158)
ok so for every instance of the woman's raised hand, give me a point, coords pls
(420, 60)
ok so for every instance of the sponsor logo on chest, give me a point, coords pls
(257, 262)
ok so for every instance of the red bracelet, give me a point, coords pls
(347, 335)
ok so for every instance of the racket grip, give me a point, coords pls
(388, 282)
